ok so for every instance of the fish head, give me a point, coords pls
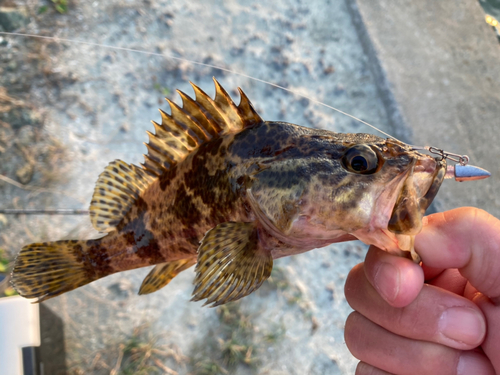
(409, 182)
(333, 185)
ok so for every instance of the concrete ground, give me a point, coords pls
(437, 65)
(426, 72)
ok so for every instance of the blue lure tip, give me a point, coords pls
(466, 173)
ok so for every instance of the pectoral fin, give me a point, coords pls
(231, 264)
(163, 273)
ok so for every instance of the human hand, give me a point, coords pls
(448, 325)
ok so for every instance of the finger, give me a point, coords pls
(467, 239)
(491, 344)
(435, 315)
(397, 279)
(450, 280)
(365, 369)
(431, 272)
(382, 349)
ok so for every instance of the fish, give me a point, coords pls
(222, 189)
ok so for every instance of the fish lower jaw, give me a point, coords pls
(403, 245)
(397, 244)
(405, 241)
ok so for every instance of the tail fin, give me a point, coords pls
(48, 269)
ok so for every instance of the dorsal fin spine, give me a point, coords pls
(197, 122)
(229, 109)
(157, 157)
(152, 166)
(175, 136)
(193, 108)
(176, 129)
(187, 122)
(176, 146)
(209, 106)
(160, 141)
(156, 144)
(247, 112)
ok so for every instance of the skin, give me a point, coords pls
(402, 309)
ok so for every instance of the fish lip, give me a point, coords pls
(420, 186)
(378, 232)
(387, 200)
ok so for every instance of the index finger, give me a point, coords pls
(467, 239)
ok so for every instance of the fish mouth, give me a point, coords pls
(424, 178)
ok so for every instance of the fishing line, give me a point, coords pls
(144, 52)
(55, 211)
(462, 158)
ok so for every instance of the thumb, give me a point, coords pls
(467, 239)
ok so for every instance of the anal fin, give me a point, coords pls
(231, 264)
(163, 273)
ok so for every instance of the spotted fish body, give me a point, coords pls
(225, 190)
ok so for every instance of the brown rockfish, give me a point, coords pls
(229, 192)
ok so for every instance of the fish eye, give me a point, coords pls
(361, 159)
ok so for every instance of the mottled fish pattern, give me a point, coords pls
(225, 190)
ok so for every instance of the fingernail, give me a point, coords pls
(387, 281)
(473, 363)
(462, 324)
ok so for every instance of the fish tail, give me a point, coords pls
(48, 269)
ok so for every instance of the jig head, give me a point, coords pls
(460, 171)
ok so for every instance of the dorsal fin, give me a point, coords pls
(196, 122)
(117, 188)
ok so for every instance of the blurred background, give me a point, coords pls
(67, 109)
